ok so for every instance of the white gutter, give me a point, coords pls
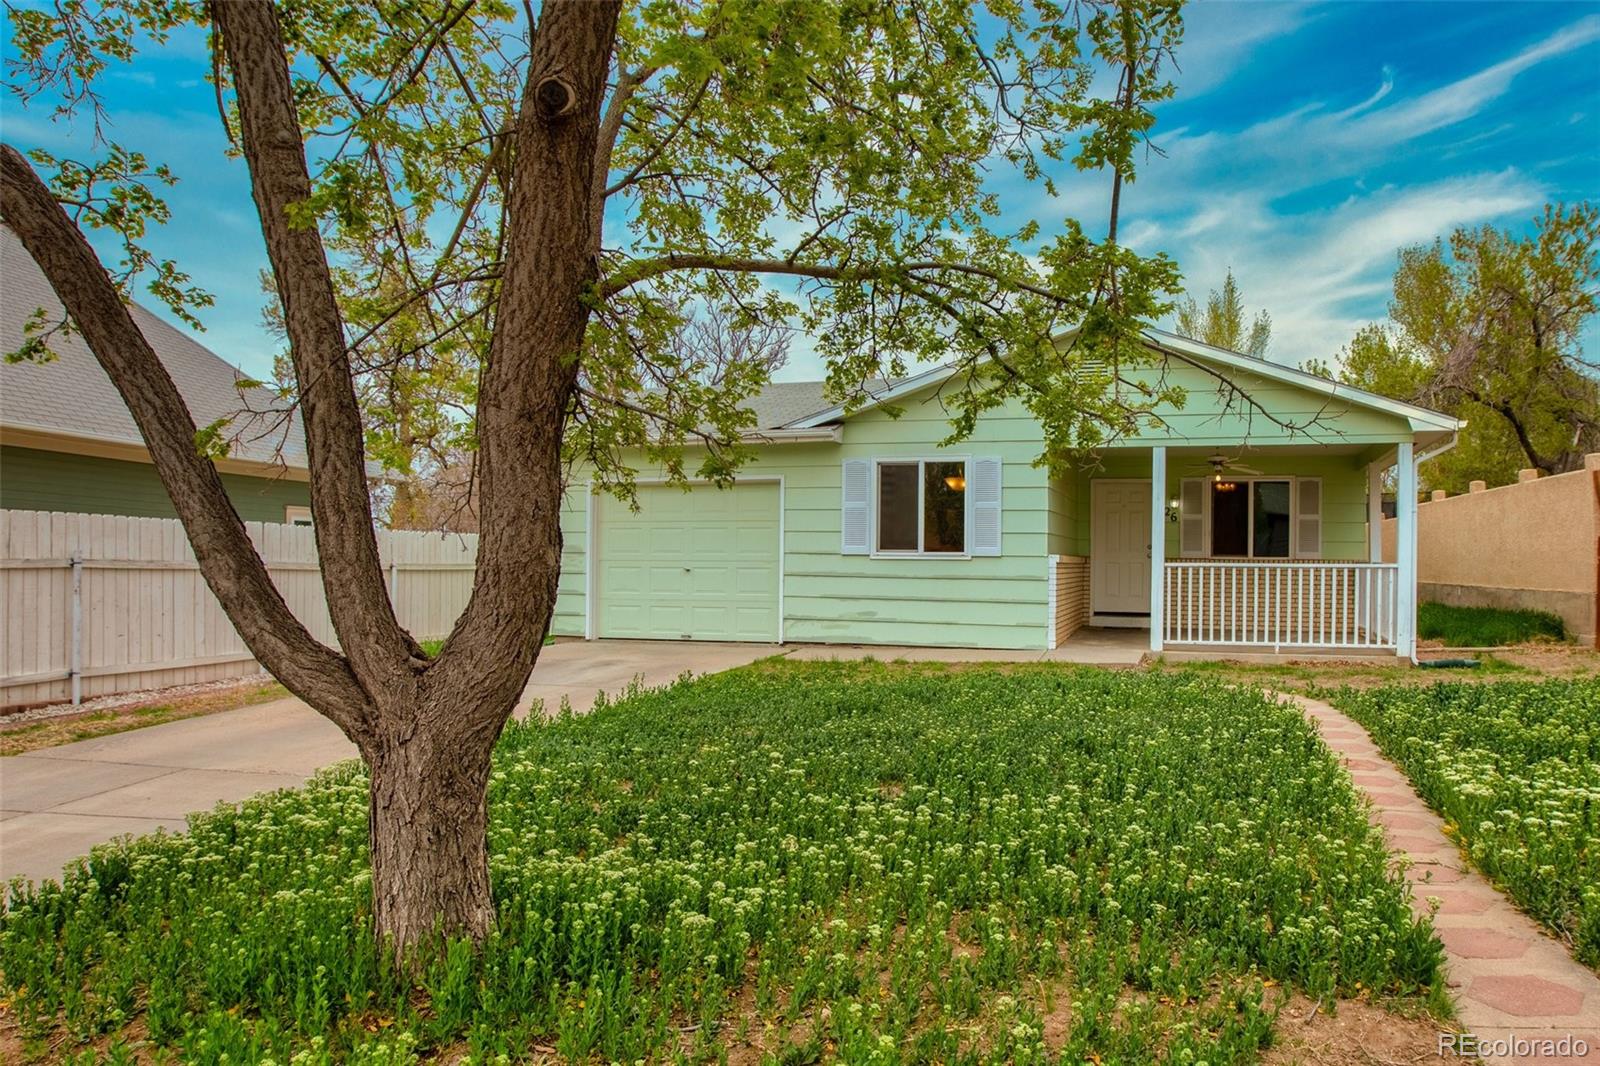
(818, 435)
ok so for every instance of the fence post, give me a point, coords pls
(75, 663)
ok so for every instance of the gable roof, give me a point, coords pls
(784, 404)
(71, 396)
(1420, 418)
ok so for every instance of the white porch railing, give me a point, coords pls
(1284, 604)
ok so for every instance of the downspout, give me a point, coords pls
(1417, 461)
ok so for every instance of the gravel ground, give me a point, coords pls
(142, 698)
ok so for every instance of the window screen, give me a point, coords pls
(897, 507)
(944, 507)
(1270, 523)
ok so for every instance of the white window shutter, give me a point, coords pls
(1308, 517)
(983, 501)
(1192, 517)
(856, 511)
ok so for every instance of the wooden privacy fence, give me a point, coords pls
(94, 604)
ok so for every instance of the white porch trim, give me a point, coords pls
(1375, 512)
(1405, 511)
(1158, 542)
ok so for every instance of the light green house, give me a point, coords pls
(860, 529)
(67, 442)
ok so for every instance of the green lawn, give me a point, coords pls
(1485, 627)
(786, 863)
(1515, 769)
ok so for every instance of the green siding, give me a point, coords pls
(36, 480)
(1344, 493)
(994, 602)
(571, 591)
(1206, 418)
(1002, 602)
(997, 602)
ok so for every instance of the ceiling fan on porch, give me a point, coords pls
(1222, 463)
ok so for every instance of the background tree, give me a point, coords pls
(1490, 327)
(1222, 321)
(557, 194)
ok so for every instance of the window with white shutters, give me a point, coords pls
(1192, 517)
(984, 484)
(1308, 517)
(855, 518)
(926, 507)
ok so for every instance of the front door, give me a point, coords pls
(1119, 549)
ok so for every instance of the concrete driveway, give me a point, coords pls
(57, 803)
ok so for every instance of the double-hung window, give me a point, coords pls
(943, 508)
(1252, 518)
(921, 506)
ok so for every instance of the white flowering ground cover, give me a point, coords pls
(788, 863)
(1514, 768)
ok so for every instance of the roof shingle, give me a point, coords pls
(72, 395)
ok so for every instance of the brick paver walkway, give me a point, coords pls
(1509, 977)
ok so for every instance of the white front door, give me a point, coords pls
(1119, 548)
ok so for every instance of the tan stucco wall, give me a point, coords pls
(1533, 544)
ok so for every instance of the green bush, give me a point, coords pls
(858, 862)
(1514, 768)
(1485, 627)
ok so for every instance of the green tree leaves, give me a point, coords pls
(1221, 323)
(1488, 326)
(824, 165)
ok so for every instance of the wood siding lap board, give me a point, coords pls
(35, 480)
(149, 620)
(995, 602)
(1002, 602)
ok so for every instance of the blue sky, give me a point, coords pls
(1307, 143)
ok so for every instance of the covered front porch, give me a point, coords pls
(1270, 548)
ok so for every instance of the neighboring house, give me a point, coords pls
(860, 528)
(67, 442)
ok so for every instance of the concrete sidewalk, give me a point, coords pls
(57, 803)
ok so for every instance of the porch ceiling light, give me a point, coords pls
(956, 482)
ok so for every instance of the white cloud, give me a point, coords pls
(1465, 97)
(1219, 38)
(1320, 273)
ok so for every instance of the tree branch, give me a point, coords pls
(358, 601)
(227, 558)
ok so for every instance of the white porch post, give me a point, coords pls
(1405, 510)
(1158, 543)
(1375, 512)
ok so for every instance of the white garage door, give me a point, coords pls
(699, 565)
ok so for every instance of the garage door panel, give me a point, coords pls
(701, 565)
(668, 581)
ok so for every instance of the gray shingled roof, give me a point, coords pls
(784, 402)
(73, 396)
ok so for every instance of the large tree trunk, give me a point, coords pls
(425, 727)
(427, 827)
